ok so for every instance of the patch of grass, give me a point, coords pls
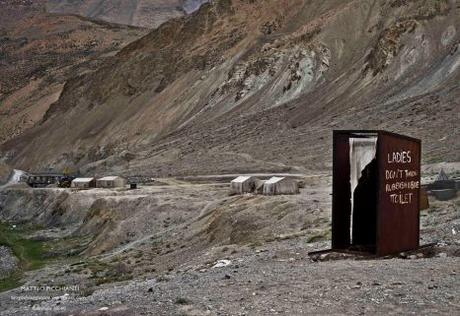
(30, 253)
(315, 238)
(102, 272)
(68, 246)
(113, 279)
(96, 266)
(11, 282)
(325, 235)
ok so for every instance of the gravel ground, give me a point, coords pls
(8, 262)
(227, 257)
(277, 279)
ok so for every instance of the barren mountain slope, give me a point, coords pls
(39, 52)
(12, 10)
(145, 13)
(259, 85)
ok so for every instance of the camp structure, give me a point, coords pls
(442, 176)
(442, 182)
(41, 180)
(443, 188)
(260, 186)
(83, 183)
(243, 184)
(280, 185)
(111, 182)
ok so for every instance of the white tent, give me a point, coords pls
(442, 176)
(111, 182)
(280, 185)
(243, 184)
(83, 183)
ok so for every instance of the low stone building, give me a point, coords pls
(111, 182)
(83, 183)
(280, 185)
(243, 184)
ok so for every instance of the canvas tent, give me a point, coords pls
(442, 176)
(243, 184)
(442, 182)
(260, 186)
(111, 182)
(83, 183)
(280, 185)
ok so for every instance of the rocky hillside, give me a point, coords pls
(258, 86)
(144, 13)
(39, 52)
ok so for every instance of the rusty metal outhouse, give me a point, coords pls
(376, 192)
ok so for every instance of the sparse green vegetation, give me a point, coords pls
(34, 254)
(10, 282)
(325, 235)
(30, 253)
(103, 272)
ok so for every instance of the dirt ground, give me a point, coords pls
(191, 249)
